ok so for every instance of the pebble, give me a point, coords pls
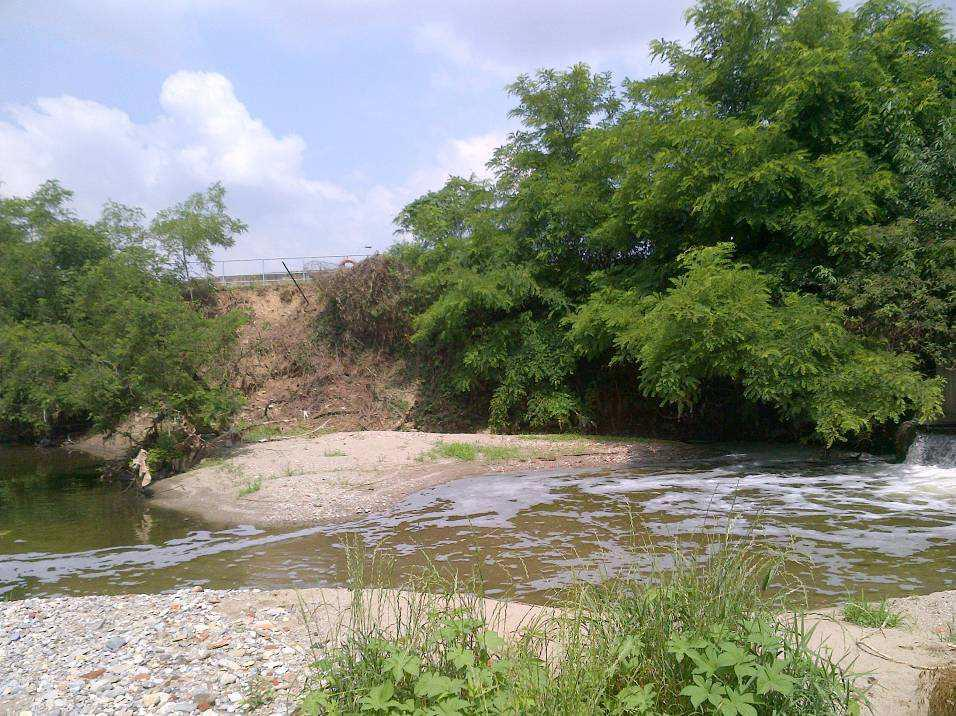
(148, 653)
(115, 643)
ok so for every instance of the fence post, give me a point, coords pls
(263, 270)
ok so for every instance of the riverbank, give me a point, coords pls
(303, 480)
(193, 651)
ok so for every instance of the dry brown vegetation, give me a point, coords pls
(293, 374)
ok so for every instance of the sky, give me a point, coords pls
(322, 118)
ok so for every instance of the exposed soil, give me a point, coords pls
(907, 670)
(289, 376)
(301, 480)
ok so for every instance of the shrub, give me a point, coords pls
(368, 305)
(706, 638)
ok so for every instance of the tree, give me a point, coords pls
(816, 141)
(189, 232)
(718, 320)
(92, 331)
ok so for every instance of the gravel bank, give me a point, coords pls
(182, 652)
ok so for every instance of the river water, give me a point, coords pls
(849, 524)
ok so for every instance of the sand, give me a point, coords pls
(304, 480)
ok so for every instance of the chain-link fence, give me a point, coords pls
(246, 272)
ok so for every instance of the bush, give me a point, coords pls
(369, 304)
(718, 321)
(706, 638)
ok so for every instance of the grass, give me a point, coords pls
(948, 633)
(213, 461)
(251, 487)
(334, 453)
(581, 437)
(469, 452)
(257, 433)
(870, 614)
(703, 637)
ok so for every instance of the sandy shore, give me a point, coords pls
(309, 479)
(209, 651)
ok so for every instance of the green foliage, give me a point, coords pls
(876, 615)
(93, 327)
(251, 487)
(819, 142)
(707, 638)
(718, 320)
(166, 452)
(190, 231)
(452, 665)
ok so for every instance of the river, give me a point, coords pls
(848, 524)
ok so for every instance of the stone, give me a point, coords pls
(115, 643)
(95, 674)
(204, 700)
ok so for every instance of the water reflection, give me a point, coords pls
(888, 528)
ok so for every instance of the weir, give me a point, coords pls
(936, 447)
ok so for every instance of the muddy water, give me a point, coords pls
(889, 529)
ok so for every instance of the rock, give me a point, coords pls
(204, 700)
(115, 643)
(115, 654)
(150, 700)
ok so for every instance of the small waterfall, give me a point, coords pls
(937, 449)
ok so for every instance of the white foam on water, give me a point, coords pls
(933, 449)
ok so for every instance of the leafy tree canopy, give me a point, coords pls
(93, 323)
(774, 209)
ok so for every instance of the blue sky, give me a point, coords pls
(322, 118)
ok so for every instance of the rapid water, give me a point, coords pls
(937, 449)
(849, 524)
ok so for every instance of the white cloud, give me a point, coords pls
(206, 134)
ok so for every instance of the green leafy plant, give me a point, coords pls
(251, 487)
(259, 692)
(705, 637)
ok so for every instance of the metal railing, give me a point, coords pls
(246, 272)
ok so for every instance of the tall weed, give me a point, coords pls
(708, 635)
